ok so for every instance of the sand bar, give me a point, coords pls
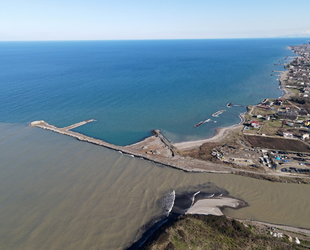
(213, 205)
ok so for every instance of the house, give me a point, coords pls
(307, 89)
(287, 135)
(304, 136)
(307, 123)
(279, 101)
(269, 103)
(255, 124)
(303, 112)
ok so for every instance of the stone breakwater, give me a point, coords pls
(175, 161)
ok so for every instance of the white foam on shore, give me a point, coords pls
(193, 198)
(168, 202)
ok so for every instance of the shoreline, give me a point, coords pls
(222, 132)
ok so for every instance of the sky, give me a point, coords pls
(37, 20)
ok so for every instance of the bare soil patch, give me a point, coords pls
(277, 143)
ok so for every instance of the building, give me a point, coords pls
(304, 136)
(303, 112)
(255, 124)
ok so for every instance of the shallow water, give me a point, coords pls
(60, 193)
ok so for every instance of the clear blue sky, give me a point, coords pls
(146, 19)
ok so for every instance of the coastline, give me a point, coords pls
(159, 150)
(222, 132)
(218, 136)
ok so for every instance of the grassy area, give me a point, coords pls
(212, 232)
(295, 91)
(263, 112)
(270, 130)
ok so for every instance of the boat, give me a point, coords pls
(229, 104)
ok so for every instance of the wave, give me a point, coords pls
(193, 198)
(174, 204)
(167, 203)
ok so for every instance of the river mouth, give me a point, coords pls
(181, 201)
(57, 191)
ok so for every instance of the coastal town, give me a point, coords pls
(274, 134)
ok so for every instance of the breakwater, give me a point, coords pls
(175, 161)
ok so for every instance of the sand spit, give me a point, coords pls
(214, 205)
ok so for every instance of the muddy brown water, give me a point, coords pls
(59, 193)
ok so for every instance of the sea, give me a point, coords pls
(60, 193)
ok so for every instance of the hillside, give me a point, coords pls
(214, 232)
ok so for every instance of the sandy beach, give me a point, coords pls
(220, 134)
(287, 92)
(213, 206)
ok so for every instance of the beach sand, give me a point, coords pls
(287, 92)
(213, 205)
(221, 133)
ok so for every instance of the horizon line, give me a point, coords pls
(156, 39)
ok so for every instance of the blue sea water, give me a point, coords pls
(133, 87)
